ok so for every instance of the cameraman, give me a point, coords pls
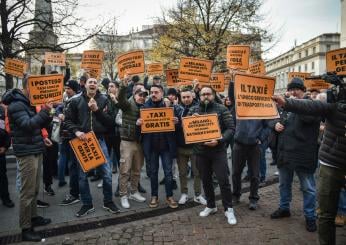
(332, 156)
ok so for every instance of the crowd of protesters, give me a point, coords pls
(41, 135)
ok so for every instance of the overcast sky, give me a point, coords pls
(290, 20)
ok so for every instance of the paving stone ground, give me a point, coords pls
(186, 227)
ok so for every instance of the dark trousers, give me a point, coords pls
(215, 163)
(4, 195)
(113, 144)
(241, 155)
(330, 183)
(74, 175)
(50, 164)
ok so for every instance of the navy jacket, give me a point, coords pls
(248, 132)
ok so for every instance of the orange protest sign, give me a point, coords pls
(238, 57)
(172, 79)
(201, 128)
(15, 67)
(192, 68)
(336, 61)
(131, 63)
(94, 73)
(217, 82)
(319, 84)
(55, 59)
(45, 88)
(92, 59)
(88, 152)
(253, 97)
(301, 75)
(157, 120)
(155, 69)
(257, 68)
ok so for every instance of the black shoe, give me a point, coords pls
(111, 207)
(41, 204)
(95, 178)
(69, 200)
(311, 225)
(280, 213)
(174, 184)
(272, 163)
(61, 184)
(8, 203)
(48, 189)
(40, 221)
(235, 200)
(141, 189)
(30, 235)
(162, 182)
(85, 209)
(246, 179)
(253, 205)
(116, 193)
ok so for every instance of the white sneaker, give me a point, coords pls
(183, 199)
(276, 173)
(100, 185)
(207, 211)
(137, 197)
(124, 202)
(230, 216)
(200, 199)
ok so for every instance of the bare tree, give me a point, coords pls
(23, 28)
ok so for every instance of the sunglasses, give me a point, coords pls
(206, 94)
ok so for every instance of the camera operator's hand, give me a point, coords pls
(279, 127)
(280, 100)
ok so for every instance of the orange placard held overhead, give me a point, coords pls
(88, 152)
(131, 63)
(172, 77)
(301, 75)
(94, 73)
(155, 69)
(318, 84)
(47, 88)
(217, 82)
(54, 59)
(238, 57)
(201, 128)
(92, 59)
(192, 68)
(157, 120)
(253, 97)
(15, 67)
(336, 61)
(257, 68)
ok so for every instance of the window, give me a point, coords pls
(306, 52)
(328, 47)
(312, 65)
(306, 67)
(314, 50)
(300, 55)
(299, 69)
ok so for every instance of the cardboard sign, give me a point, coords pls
(253, 97)
(157, 120)
(336, 61)
(257, 68)
(88, 152)
(217, 82)
(172, 79)
(319, 84)
(46, 88)
(92, 59)
(301, 75)
(15, 67)
(238, 57)
(192, 68)
(131, 63)
(54, 59)
(155, 69)
(201, 128)
(94, 73)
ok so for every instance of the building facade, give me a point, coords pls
(308, 57)
(343, 24)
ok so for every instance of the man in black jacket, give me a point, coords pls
(85, 113)
(211, 156)
(297, 146)
(28, 146)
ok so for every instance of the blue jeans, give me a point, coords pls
(342, 202)
(106, 173)
(64, 157)
(307, 186)
(166, 160)
(263, 162)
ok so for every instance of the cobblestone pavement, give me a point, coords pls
(186, 227)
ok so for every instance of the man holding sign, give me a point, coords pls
(211, 156)
(89, 112)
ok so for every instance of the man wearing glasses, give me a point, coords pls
(211, 156)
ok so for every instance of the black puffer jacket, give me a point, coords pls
(333, 147)
(79, 117)
(5, 140)
(25, 123)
